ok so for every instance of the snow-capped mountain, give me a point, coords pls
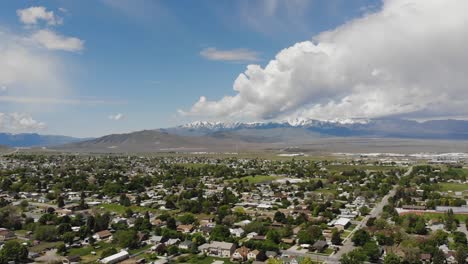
(297, 122)
(396, 128)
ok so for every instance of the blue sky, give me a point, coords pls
(131, 64)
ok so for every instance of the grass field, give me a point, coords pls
(455, 187)
(206, 260)
(85, 252)
(43, 246)
(340, 168)
(460, 171)
(429, 216)
(256, 179)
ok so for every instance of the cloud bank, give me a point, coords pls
(229, 55)
(31, 74)
(34, 14)
(116, 117)
(53, 41)
(407, 59)
(19, 122)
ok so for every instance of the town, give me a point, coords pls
(208, 209)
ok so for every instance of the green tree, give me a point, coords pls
(126, 238)
(459, 238)
(280, 217)
(273, 236)
(13, 251)
(68, 237)
(109, 252)
(45, 233)
(356, 256)
(336, 238)
(438, 257)
(171, 223)
(372, 250)
(61, 249)
(220, 233)
(364, 210)
(60, 201)
(124, 200)
(461, 253)
(360, 238)
(187, 218)
(391, 259)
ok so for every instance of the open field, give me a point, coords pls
(85, 252)
(429, 216)
(256, 179)
(43, 246)
(339, 168)
(460, 171)
(206, 260)
(455, 187)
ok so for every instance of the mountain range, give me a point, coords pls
(294, 134)
(380, 128)
(34, 140)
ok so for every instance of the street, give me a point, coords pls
(376, 211)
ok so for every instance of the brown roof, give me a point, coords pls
(425, 256)
(104, 234)
(243, 251)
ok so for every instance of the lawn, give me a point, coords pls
(455, 187)
(340, 168)
(429, 216)
(460, 171)
(257, 179)
(43, 246)
(345, 234)
(85, 252)
(206, 260)
(120, 209)
(138, 250)
(326, 252)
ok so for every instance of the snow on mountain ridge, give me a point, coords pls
(297, 122)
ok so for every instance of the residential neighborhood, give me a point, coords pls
(193, 209)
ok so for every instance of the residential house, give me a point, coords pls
(6, 234)
(187, 244)
(241, 254)
(185, 228)
(252, 255)
(116, 258)
(102, 235)
(320, 245)
(218, 249)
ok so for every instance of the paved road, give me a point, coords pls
(376, 211)
(9, 153)
(347, 243)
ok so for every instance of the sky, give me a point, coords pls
(91, 68)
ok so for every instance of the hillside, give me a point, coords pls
(153, 141)
(34, 140)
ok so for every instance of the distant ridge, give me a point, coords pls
(35, 140)
(150, 141)
(375, 135)
(383, 128)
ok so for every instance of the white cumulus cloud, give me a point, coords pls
(229, 55)
(34, 14)
(53, 41)
(409, 58)
(116, 117)
(19, 122)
